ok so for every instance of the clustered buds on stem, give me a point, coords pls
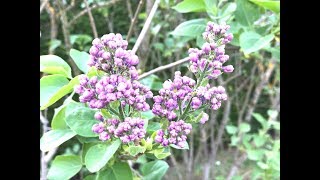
(130, 130)
(176, 99)
(212, 53)
(183, 94)
(177, 133)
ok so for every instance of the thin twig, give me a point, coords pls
(53, 26)
(146, 26)
(134, 19)
(92, 23)
(95, 6)
(129, 9)
(163, 67)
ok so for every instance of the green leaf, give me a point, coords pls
(259, 140)
(200, 41)
(262, 165)
(227, 11)
(60, 113)
(135, 150)
(247, 13)
(231, 129)
(80, 39)
(98, 155)
(211, 8)
(106, 113)
(153, 126)
(81, 59)
(91, 177)
(57, 93)
(244, 127)
(85, 148)
(49, 85)
(275, 52)
(81, 120)
(191, 28)
(255, 155)
(53, 64)
(64, 167)
(268, 4)
(161, 154)
(154, 170)
(261, 120)
(119, 171)
(190, 6)
(234, 140)
(147, 115)
(55, 138)
(54, 44)
(122, 171)
(153, 82)
(251, 41)
(58, 120)
(186, 146)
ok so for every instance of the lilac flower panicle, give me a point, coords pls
(172, 92)
(177, 133)
(129, 130)
(212, 52)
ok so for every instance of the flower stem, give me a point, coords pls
(198, 84)
(121, 115)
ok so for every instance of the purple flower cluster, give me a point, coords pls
(211, 57)
(172, 92)
(109, 54)
(130, 130)
(99, 93)
(206, 95)
(177, 133)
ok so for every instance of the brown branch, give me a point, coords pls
(225, 119)
(163, 67)
(146, 26)
(236, 165)
(175, 164)
(95, 6)
(43, 5)
(264, 80)
(92, 23)
(53, 26)
(66, 34)
(134, 19)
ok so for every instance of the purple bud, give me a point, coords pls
(228, 69)
(204, 118)
(98, 116)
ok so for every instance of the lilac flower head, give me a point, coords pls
(177, 133)
(172, 92)
(110, 54)
(211, 56)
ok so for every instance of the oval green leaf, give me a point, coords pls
(191, 28)
(190, 6)
(53, 64)
(99, 155)
(64, 167)
(55, 91)
(55, 138)
(251, 41)
(81, 120)
(81, 59)
(154, 170)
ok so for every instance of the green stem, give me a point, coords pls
(121, 113)
(198, 84)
